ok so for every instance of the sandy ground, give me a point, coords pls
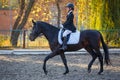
(29, 67)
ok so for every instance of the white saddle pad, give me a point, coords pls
(74, 37)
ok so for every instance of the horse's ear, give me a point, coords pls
(33, 22)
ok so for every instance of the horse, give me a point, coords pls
(89, 40)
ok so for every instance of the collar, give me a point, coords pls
(70, 12)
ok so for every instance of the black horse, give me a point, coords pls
(89, 40)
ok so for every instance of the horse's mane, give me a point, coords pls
(47, 24)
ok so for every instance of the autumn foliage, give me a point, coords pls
(103, 15)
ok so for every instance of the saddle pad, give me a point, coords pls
(74, 37)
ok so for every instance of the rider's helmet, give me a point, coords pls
(70, 5)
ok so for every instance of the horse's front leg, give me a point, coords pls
(65, 62)
(46, 59)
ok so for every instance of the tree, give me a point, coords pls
(59, 12)
(101, 15)
(114, 12)
(19, 24)
(52, 9)
(7, 4)
(21, 11)
(111, 21)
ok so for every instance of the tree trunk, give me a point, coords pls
(21, 25)
(59, 12)
(22, 6)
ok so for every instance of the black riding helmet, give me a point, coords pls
(70, 5)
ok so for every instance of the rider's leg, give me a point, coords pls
(65, 39)
(64, 45)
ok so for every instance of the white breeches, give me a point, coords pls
(66, 32)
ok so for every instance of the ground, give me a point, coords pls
(29, 67)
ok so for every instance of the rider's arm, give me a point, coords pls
(69, 19)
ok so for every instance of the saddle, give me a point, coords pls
(73, 37)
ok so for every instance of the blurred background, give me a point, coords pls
(16, 17)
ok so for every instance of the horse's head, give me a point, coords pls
(35, 31)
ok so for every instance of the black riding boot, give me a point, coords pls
(64, 46)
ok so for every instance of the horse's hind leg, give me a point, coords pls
(100, 57)
(94, 56)
(65, 62)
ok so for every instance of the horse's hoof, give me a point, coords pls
(45, 72)
(99, 73)
(89, 70)
(66, 72)
(44, 69)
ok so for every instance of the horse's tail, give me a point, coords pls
(107, 59)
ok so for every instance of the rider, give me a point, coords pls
(68, 25)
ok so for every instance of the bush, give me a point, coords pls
(4, 41)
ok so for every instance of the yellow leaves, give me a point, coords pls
(36, 10)
(48, 1)
(4, 40)
(30, 19)
(33, 12)
(36, 15)
(4, 3)
(44, 14)
(90, 13)
(4, 6)
(42, 10)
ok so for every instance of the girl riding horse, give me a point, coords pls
(68, 25)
